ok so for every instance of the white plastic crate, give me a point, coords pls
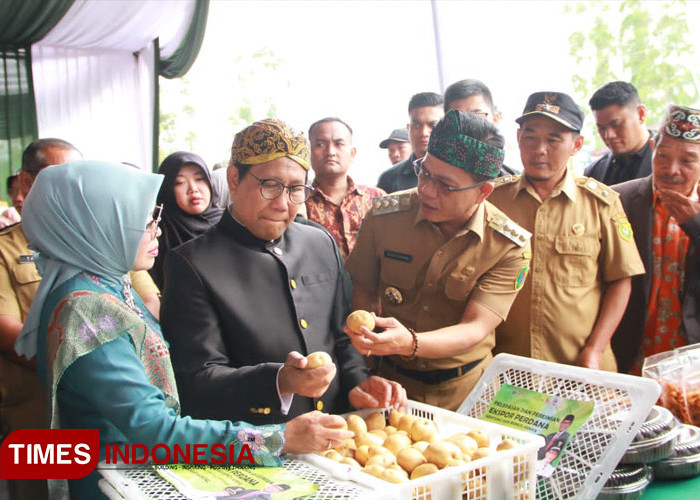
(508, 474)
(622, 402)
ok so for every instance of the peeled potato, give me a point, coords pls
(318, 358)
(360, 318)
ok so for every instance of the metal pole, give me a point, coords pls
(438, 45)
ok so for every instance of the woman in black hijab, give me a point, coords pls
(189, 205)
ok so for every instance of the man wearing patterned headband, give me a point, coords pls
(440, 266)
(583, 255)
(244, 302)
(664, 309)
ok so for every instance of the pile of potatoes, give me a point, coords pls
(407, 447)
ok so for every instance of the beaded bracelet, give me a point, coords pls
(415, 343)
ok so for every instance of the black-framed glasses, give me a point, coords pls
(152, 227)
(422, 173)
(271, 189)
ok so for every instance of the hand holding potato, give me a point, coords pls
(318, 358)
(296, 377)
(314, 432)
(357, 319)
(394, 339)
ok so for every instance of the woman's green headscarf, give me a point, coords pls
(84, 216)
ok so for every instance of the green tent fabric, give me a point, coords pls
(181, 61)
(26, 22)
(23, 22)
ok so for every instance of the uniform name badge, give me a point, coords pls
(393, 295)
(26, 259)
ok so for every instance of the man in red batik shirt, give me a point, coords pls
(338, 204)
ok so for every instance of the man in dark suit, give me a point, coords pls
(424, 111)
(473, 96)
(556, 439)
(620, 118)
(664, 308)
(245, 301)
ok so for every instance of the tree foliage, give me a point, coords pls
(256, 69)
(250, 85)
(645, 43)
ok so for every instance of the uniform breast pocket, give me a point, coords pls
(26, 273)
(458, 287)
(575, 260)
(400, 275)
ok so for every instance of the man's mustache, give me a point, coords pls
(671, 179)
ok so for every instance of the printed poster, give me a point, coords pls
(554, 418)
(233, 483)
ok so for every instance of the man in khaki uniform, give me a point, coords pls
(22, 397)
(441, 266)
(584, 254)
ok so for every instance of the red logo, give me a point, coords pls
(49, 453)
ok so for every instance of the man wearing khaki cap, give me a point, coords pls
(664, 309)
(583, 253)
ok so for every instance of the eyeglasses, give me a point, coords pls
(271, 189)
(152, 227)
(422, 173)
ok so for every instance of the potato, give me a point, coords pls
(332, 455)
(360, 318)
(506, 444)
(356, 424)
(318, 358)
(424, 470)
(395, 418)
(375, 420)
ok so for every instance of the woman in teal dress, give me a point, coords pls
(99, 350)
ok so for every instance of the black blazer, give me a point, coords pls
(234, 306)
(636, 196)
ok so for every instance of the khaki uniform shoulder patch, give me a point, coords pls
(9, 228)
(391, 204)
(600, 190)
(506, 179)
(509, 229)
